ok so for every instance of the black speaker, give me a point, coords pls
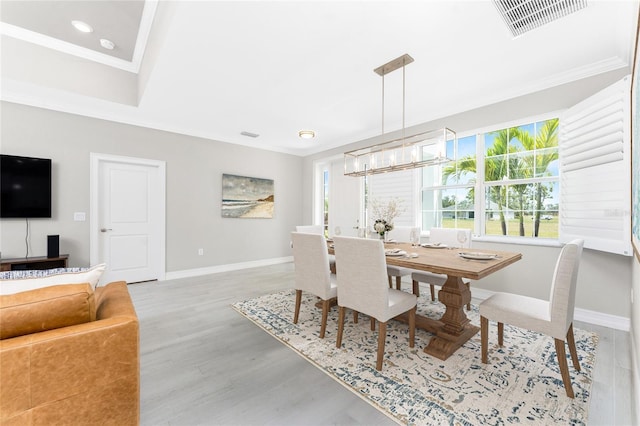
(53, 245)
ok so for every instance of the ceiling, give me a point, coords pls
(215, 69)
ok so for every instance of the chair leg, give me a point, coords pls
(382, 337)
(373, 324)
(433, 292)
(564, 367)
(398, 283)
(340, 326)
(355, 317)
(296, 312)
(412, 327)
(469, 304)
(572, 348)
(325, 314)
(501, 334)
(416, 288)
(390, 281)
(484, 338)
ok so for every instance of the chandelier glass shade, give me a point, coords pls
(400, 154)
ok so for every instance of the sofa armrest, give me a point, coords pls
(82, 374)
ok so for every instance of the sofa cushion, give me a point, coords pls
(30, 282)
(46, 309)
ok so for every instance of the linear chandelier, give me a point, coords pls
(401, 153)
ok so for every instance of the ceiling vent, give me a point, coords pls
(525, 15)
(249, 134)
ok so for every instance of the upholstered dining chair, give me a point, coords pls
(310, 229)
(309, 256)
(317, 229)
(362, 287)
(401, 234)
(553, 318)
(448, 237)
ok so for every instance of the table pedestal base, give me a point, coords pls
(443, 345)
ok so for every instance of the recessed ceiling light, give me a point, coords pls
(82, 26)
(107, 44)
(307, 134)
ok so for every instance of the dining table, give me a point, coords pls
(453, 329)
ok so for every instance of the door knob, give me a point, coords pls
(105, 229)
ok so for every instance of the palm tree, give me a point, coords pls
(547, 137)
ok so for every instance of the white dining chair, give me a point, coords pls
(448, 237)
(309, 256)
(362, 287)
(319, 230)
(553, 318)
(401, 234)
(310, 229)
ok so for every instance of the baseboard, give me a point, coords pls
(585, 315)
(635, 393)
(226, 268)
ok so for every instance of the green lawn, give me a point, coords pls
(548, 228)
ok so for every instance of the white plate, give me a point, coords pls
(433, 245)
(393, 252)
(475, 255)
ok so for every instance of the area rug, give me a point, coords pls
(520, 385)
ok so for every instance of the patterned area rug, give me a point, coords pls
(520, 385)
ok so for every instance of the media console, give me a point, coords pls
(40, 262)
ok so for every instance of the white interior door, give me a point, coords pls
(345, 200)
(127, 219)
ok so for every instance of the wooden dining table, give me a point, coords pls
(453, 329)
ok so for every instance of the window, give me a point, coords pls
(325, 199)
(502, 182)
(448, 191)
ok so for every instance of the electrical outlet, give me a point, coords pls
(200, 252)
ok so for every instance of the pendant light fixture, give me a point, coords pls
(396, 153)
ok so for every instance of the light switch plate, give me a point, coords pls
(79, 216)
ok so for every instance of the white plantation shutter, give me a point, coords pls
(399, 185)
(595, 171)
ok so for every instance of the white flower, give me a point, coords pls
(384, 214)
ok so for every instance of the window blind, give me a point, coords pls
(399, 185)
(595, 171)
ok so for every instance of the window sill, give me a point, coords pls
(522, 241)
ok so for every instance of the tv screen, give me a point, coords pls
(26, 187)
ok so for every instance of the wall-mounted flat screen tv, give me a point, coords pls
(25, 187)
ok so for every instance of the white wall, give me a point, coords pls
(194, 171)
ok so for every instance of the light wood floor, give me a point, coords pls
(204, 364)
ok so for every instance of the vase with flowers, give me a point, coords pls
(382, 227)
(384, 215)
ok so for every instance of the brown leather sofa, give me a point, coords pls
(87, 373)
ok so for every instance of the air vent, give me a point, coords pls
(525, 15)
(249, 134)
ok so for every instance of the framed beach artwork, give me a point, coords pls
(635, 155)
(247, 197)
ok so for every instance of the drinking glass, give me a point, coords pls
(462, 238)
(414, 236)
(337, 231)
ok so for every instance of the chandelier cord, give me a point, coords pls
(383, 104)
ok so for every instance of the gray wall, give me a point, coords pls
(194, 172)
(605, 279)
